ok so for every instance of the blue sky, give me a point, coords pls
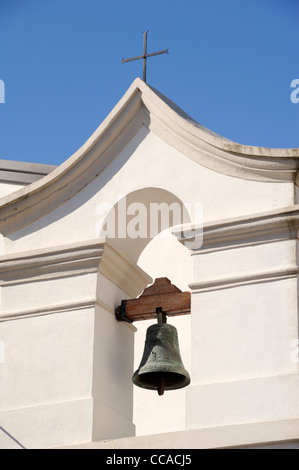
(230, 66)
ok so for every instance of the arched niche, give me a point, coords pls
(139, 217)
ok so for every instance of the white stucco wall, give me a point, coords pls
(148, 162)
(8, 188)
(235, 344)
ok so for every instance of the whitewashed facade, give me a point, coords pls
(67, 363)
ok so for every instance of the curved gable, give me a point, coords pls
(143, 106)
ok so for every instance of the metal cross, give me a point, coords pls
(145, 55)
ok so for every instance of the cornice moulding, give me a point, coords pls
(83, 304)
(215, 152)
(236, 280)
(264, 227)
(48, 309)
(180, 117)
(123, 272)
(21, 208)
(52, 262)
(73, 260)
(142, 105)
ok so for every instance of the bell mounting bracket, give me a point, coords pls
(158, 300)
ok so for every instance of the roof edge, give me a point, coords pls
(18, 172)
(142, 105)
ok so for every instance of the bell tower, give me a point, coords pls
(79, 307)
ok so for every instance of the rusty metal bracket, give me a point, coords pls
(121, 312)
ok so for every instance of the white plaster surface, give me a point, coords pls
(8, 188)
(68, 364)
(166, 168)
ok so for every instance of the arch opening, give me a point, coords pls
(139, 217)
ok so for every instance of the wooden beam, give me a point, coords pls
(162, 294)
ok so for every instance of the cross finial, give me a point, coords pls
(145, 55)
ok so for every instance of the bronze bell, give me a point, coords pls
(161, 366)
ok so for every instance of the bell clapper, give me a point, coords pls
(161, 385)
(161, 317)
